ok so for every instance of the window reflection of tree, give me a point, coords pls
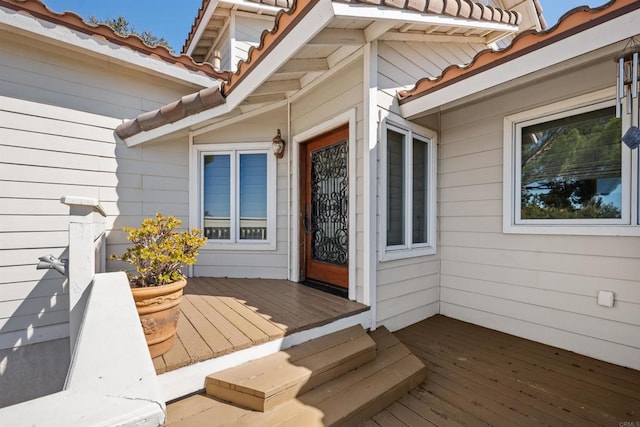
(569, 166)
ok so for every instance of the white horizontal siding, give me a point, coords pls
(58, 111)
(408, 290)
(57, 77)
(224, 48)
(539, 287)
(402, 64)
(247, 35)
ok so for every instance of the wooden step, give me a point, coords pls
(267, 382)
(362, 393)
(345, 400)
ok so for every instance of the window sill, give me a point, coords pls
(577, 230)
(234, 246)
(406, 253)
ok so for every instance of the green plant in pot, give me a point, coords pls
(158, 251)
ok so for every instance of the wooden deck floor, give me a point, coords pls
(219, 316)
(477, 376)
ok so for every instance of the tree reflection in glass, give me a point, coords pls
(571, 168)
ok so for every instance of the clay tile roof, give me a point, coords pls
(572, 22)
(455, 8)
(285, 20)
(466, 9)
(170, 113)
(37, 9)
(194, 26)
(285, 4)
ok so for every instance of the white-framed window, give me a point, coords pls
(237, 197)
(566, 170)
(407, 191)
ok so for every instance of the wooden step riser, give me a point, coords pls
(365, 391)
(249, 400)
(383, 400)
(265, 383)
(348, 365)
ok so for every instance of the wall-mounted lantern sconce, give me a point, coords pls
(627, 90)
(278, 145)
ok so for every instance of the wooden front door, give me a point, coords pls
(324, 208)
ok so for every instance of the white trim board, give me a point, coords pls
(196, 189)
(579, 44)
(370, 155)
(363, 11)
(512, 223)
(189, 379)
(389, 119)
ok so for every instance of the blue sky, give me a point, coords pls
(172, 20)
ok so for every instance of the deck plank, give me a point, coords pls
(266, 305)
(192, 342)
(479, 376)
(218, 343)
(267, 328)
(177, 355)
(500, 373)
(411, 418)
(207, 306)
(588, 368)
(387, 419)
(301, 308)
(222, 315)
(549, 376)
(436, 410)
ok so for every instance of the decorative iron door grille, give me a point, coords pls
(329, 208)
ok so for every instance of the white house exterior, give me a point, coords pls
(539, 279)
(62, 93)
(421, 210)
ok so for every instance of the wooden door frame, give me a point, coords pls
(331, 274)
(349, 118)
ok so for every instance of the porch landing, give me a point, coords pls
(219, 316)
(477, 376)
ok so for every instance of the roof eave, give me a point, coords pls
(60, 35)
(565, 46)
(387, 14)
(298, 28)
(202, 22)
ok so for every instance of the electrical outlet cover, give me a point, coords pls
(605, 298)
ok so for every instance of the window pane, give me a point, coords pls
(420, 194)
(217, 196)
(395, 188)
(571, 168)
(253, 196)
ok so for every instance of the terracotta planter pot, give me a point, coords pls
(158, 308)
